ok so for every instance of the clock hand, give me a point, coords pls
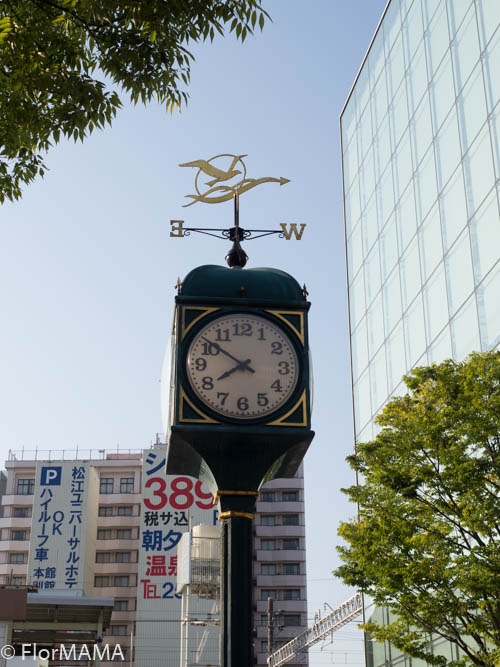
(228, 354)
(243, 365)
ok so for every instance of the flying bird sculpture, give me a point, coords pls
(220, 193)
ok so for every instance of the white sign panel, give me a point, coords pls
(169, 505)
(62, 545)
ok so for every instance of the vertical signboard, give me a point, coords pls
(62, 545)
(170, 504)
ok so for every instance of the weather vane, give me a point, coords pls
(228, 179)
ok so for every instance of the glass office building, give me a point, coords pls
(420, 136)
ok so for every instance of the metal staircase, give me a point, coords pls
(341, 615)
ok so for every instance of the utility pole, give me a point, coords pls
(270, 627)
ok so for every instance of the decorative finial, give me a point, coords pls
(178, 285)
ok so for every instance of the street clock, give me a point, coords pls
(241, 372)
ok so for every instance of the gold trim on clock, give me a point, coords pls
(300, 403)
(204, 419)
(281, 314)
(205, 311)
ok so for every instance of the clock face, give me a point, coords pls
(242, 366)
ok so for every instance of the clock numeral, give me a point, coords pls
(207, 382)
(284, 368)
(200, 364)
(210, 349)
(262, 400)
(222, 335)
(261, 334)
(244, 330)
(276, 347)
(276, 385)
(242, 403)
(224, 394)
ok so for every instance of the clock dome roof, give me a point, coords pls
(211, 280)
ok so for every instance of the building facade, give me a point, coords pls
(279, 548)
(420, 135)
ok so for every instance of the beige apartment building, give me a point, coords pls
(279, 544)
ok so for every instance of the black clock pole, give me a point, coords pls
(236, 635)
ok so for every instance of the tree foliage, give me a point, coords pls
(425, 542)
(64, 62)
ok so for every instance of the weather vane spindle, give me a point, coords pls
(225, 185)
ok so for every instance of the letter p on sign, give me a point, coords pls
(51, 476)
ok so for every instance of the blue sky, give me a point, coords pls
(87, 267)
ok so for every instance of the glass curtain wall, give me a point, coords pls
(420, 136)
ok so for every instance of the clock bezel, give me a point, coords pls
(281, 325)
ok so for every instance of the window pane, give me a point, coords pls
(415, 332)
(431, 249)
(268, 545)
(355, 252)
(379, 101)
(489, 312)
(425, 180)
(364, 133)
(127, 485)
(435, 303)
(485, 237)
(448, 153)
(421, 131)
(465, 331)
(489, 18)
(106, 485)
(391, 294)
(412, 29)
(382, 148)
(385, 196)
(362, 407)
(372, 274)
(437, 38)
(417, 79)
(398, 115)
(378, 376)
(290, 520)
(453, 209)
(410, 274)
(375, 326)
(291, 544)
(465, 48)
(479, 174)
(459, 273)
(388, 247)
(441, 348)
(442, 90)
(471, 108)
(350, 164)
(396, 66)
(268, 520)
(490, 69)
(457, 9)
(367, 178)
(407, 217)
(357, 299)
(359, 349)
(403, 166)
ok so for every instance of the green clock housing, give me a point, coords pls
(240, 404)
